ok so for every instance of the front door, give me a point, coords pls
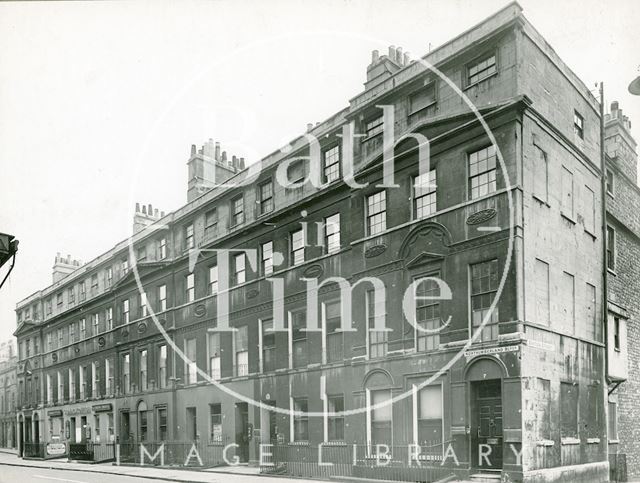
(486, 425)
(124, 427)
(192, 424)
(242, 431)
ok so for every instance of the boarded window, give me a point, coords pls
(542, 292)
(568, 410)
(592, 329)
(589, 210)
(592, 424)
(543, 408)
(540, 174)
(568, 300)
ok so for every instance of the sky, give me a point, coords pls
(101, 101)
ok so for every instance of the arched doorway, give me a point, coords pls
(484, 376)
(143, 421)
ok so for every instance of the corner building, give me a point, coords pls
(523, 398)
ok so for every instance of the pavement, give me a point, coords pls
(15, 469)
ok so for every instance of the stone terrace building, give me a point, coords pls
(523, 398)
(623, 266)
(8, 366)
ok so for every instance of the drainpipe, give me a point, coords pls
(603, 183)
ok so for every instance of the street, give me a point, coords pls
(14, 470)
(13, 474)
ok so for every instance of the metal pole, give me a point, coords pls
(603, 183)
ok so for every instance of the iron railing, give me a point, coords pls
(174, 453)
(421, 463)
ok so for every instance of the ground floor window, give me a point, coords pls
(335, 420)
(300, 420)
(216, 423)
(380, 417)
(428, 415)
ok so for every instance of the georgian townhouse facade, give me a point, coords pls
(520, 248)
(8, 365)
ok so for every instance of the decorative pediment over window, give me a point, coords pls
(424, 258)
(427, 243)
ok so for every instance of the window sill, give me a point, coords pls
(545, 443)
(570, 441)
(611, 272)
(611, 194)
(568, 218)
(299, 443)
(541, 201)
(614, 441)
(591, 234)
(593, 440)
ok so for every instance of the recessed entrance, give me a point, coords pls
(242, 431)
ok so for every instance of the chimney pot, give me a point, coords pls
(375, 56)
(309, 126)
(407, 60)
(137, 207)
(193, 150)
(162, 214)
(399, 57)
(217, 155)
(144, 209)
(392, 53)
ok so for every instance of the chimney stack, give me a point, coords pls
(63, 266)
(145, 216)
